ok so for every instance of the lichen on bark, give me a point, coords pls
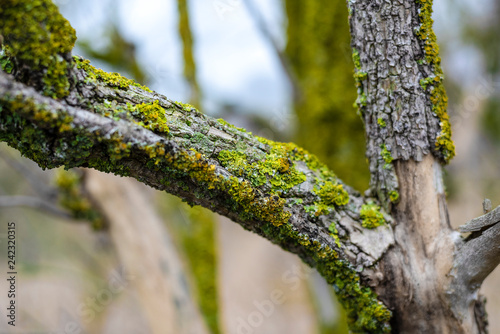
(404, 113)
(444, 144)
(37, 36)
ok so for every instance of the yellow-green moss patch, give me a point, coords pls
(439, 100)
(152, 116)
(371, 216)
(38, 36)
(111, 79)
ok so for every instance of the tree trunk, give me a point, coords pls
(147, 254)
(403, 103)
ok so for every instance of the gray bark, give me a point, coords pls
(398, 76)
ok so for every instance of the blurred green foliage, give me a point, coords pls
(320, 54)
(484, 35)
(118, 53)
(198, 240)
(187, 52)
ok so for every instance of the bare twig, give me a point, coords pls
(482, 222)
(41, 188)
(33, 202)
(285, 64)
(477, 257)
(474, 261)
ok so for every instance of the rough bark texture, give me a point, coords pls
(403, 104)
(391, 64)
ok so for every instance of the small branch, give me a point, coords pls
(285, 63)
(43, 190)
(479, 256)
(482, 222)
(480, 253)
(33, 202)
(475, 259)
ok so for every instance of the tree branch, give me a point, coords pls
(475, 259)
(276, 190)
(35, 203)
(43, 190)
(483, 222)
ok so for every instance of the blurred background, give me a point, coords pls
(100, 254)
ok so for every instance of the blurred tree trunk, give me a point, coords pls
(319, 51)
(147, 254)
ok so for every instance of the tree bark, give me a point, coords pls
(403, 104)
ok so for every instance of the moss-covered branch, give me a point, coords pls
(277, 190)
(39, 40)
(107, 122)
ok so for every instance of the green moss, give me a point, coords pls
(393, 196)
(359, 77)
(356, 59)
(152, 116)
(387, 156)
(72, 198)
(264, 210)
(69, 149)
(371, 216)
(187, 107)
(333, 194)
(381, 122)
(275, 168)
(426, 82)
(111, 79)
(39, 37)
(223, 122)
(6, 62)
(199, 244)
(439, 100)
